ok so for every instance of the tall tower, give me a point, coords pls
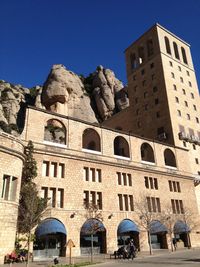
(163, 92)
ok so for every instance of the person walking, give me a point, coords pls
(132, 249)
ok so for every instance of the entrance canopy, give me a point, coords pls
(181, 227)
(157, 227)
(92, 226)
(50, 226)
(127, 226)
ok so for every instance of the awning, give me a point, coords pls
(50, 226)
(181, 227)
(157, 227)
(127, 226)
(92, 226)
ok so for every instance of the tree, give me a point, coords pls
(168, 218)
(146, 217)
(31, 206)
(94, 216)
(189, 221)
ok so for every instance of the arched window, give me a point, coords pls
(55, 132)
(167, 45)
(91, 140)
(141, 54)
(184, 55)
(150, 47)
(121, 147)
(176, 50)
(147, 153)
(133, 61)
(170, 159)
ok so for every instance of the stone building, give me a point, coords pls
(146, 151)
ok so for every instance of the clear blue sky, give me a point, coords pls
(82, 34)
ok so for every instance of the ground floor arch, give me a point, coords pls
(50, 239)
(182, 233)
(93, 237)
(158, 233)
(127, 230)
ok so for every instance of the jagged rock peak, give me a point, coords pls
(110, 95)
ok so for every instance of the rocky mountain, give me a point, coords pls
(94, 98)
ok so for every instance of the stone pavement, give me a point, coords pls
(102, 258)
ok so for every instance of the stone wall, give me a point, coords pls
(11, 155)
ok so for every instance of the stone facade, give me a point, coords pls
(11, 154)
(109, 164)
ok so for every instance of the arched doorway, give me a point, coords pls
(93, 234)
(126, 231)
(182, 233)
(158, 233)
(50, 239)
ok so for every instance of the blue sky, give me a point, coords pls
(82, 34)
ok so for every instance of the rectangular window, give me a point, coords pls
(173, 206)
(183, 90)
(176, 99)
(86, 198)
(126, 202)
(92, 174)
(45, 168)
(158, 204)
(124, 178)
(179, 112)
(153, 204)
(195, 108)
(119, 178)
(149, 204)
(131, 203)
(177, 206)
(60, 198)
(174, 186)
(98, 173)
(190, 84)
(155, 183)
(61, 170)
(99, 200)
(120, 202)
(172, 75)
(188, 116)
(86, 173)
(192, 95)
(129, 179)
(146, 182)
(52, 196)
(181, 79)
(93, 197)
(44, 192)
(9, 188)
(186, 103)
(151, 183)
(53, 169)
(170, 186)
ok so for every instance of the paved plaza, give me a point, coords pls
(185, 258)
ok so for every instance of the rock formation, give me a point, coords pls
(12, 102)
(94, 98)
(63, 92)
(109, 93)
